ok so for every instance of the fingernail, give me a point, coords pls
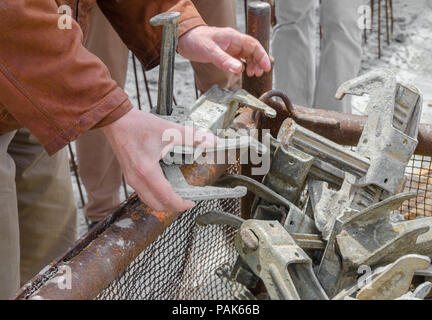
(235, 66)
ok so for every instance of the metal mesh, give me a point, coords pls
(181, 263)
(419, 173)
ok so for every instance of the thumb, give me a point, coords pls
(224, 61)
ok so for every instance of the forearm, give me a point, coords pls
(49, 83)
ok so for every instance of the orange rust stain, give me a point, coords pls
(160, 215)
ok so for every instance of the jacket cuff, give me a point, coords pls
(189, 24)
(112, 107)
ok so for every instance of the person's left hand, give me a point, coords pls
(226, 48)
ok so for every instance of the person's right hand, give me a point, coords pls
(136, 139)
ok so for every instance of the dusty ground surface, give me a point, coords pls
(409, 55)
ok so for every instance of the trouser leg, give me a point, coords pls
(98, 166)
(341, 52)
(9, 227)
(100, 173)
(293, 47)
(221, 13)
(46, 205)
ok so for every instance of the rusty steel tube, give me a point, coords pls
(344, 129)
(258, 26)
(118, 240)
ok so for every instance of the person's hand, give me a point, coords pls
(226, 48)
(137, 140)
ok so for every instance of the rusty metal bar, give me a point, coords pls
(341, 128)
(136, 81)
(245, 5)
(147, 87)
(273, 11)
(391, 16)
(97, 258)
(74, 167)
(258, 26)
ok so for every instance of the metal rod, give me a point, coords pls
(136, 81)
(77, 177)
(169, 22)
(147, 88)
(196, 87)
(124, 187)
(387, 21)
(245, 6)
(75, 171)
(391, 16)
(320, 28)
(365, 27)
(379, 29)
(258, 26)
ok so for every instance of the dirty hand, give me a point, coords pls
(226, 48)
(137, 139)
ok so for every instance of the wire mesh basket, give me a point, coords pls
(181, 263)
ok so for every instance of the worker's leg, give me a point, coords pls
(46, 205)
(221, 13)
(100, 173)
(9, 229)
(293, 47)
(98, 166)
(341, 52)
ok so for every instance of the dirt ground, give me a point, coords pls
(408, 55)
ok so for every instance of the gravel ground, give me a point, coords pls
(409, 55)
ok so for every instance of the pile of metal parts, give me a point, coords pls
(313, 247)
(322, 225)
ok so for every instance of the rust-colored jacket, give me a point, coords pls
(50, 84)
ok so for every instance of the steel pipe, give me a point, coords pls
(344, 129)
(100, 256)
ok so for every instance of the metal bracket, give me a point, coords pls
(188, 155)
(390, 135)
(389, 282)
(217, 108)
(273, 255)
(188, 192)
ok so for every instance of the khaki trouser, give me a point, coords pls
(37, 212)
(293, 46)
(98, 166)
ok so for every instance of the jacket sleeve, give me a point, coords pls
(131, 21)
(49, 82)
